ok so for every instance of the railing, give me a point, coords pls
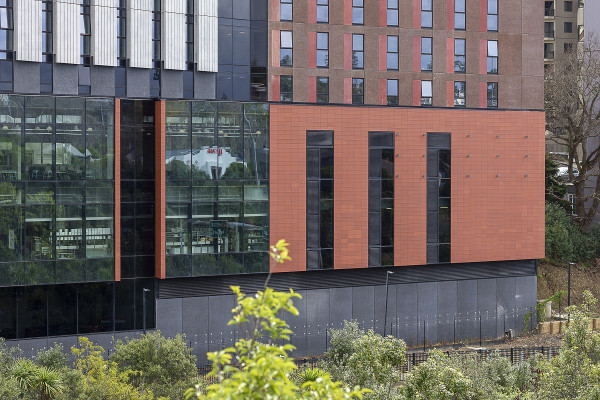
(549, 34)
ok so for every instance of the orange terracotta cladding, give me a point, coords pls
(497, 209)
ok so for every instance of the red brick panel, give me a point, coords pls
(382, 12)
(347, 12)
(348, 90)
(483, 15)
(312, 49)
(416, 54)
(450, 55)
(312, 11)
(312, 89)
(450, 15)
(159, 196)
(275, 88)
(383, 91)
(117, 177)
(416, 14)
(382, 52)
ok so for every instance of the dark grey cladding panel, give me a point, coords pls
(219, 314)
(340, 306)
(171, 84)
(446, 302)
(26, 77)
(505, 291)
(169, 317)
(65, 79)
(406, 317)
(216, 285)
(205, 85)
(487, 305)
(103, 81)
(317, 313)
(380, 308)
(138, 82)
(298, 323)
(467, 325)
(362, 306)
(427, 311)
(195, 326)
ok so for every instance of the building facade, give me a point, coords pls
(155, 149)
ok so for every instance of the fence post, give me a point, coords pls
(424, 336)
(480, 342)
(454, 334)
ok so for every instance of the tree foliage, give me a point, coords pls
(565, 241)
(572, 103)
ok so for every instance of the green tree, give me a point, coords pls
(366, 359)
(165, 366)
(556, 188)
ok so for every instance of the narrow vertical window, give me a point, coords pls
(323, 11)
(358, 91)
(392, 52)
(381, 199)
(322, 49)
(392, 92)
(459, 94)
(188, 74)
(46, 65)
(438, 198)
(426, 93)
(492, 15)
(568, 27)
(549, 30)
(358, 12)
(492, 57)
(319, 199)
(426, 13)
(85, 48)
(322, 89)
(426, 54)
(357, 51)
(460, 18)
(286, 50)
(121, 70)
(492, 94)
(156, 55)
(285, 10)
(460, 59)
(392, 12)
(568, 6)
(286, 88)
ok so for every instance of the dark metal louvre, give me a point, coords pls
(219, 285)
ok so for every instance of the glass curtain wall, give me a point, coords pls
(56, 190)
(217, 173)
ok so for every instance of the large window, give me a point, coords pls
(323, 11)
(56, 189)
(460, 59)
(492, 94)
(286, 50)
(492, 56)
(492, 15)
(438, 198)
(426, 13)
(381, 199)
(322, 89)
(392, 12)
(217, 188)
(392, 52)
(392, 92)
(460, 15)
(459, 94)
(426, 93)
(358, 11)
(319, 199)
(322, 49)
(357, 51)
(358, 90)
(286, 88)
(285, 10)
(426, 54)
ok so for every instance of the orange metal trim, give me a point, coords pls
(117, 177)
(159, 195)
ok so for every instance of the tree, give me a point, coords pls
(259, 367)
(556, 189)
(572, 103)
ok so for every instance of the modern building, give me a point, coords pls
(155, 149)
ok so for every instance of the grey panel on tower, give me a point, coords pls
(65, 79)
(298, 324)
(526, 296)
(205, 85)
(30, 347)
(219, 314)
(103, 81)
(406, 305)
(362, 306)
(446, 300)
(467, 323)
(169, 318)
(487, 303)
(103, 339)
(506, 291)
(138, 82)
(317, 312)
(195, 325)
(427, 311)
(380, 309)
(172, 84)
(340, 306)
(26, 77)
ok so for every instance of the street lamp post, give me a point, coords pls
(387, 281)
(569, 290)
(144, 308)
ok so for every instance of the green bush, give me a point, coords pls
(565, 242)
